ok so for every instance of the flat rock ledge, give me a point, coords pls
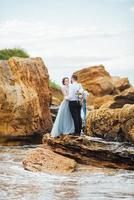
(45, 160)
(91, 151)
(61, 155)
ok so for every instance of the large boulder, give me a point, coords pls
(112, 124)
(105, 90)
(24, 97)
(96, 80)
(45, 160)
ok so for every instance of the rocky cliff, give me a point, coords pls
(110, 125)
(110, 104)
(24, 97)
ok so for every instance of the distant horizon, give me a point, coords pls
(70, 35)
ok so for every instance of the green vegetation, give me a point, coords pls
(54, 85)
(56, 90)
(5, 54)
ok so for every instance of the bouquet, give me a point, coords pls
(80, 96)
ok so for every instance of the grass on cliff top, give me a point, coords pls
(5, 54)
(54, 85)
(56, 90)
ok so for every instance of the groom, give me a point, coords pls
(74, 104)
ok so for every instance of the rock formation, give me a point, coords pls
(24, 97)
(112, 124)
(113, 118)
(92, 151)
(61, 154)
(96, 80)
(121, 83)
(110, 128)
(110, 98)
(125, 97)
(45, 160)
(104, 89)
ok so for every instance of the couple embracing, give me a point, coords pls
(68, 120)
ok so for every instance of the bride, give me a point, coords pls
(64, 123)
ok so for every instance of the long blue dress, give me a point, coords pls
(64, 123)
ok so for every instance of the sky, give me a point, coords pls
(72, 34)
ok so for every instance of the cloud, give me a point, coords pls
(132, 9)
(16, 32)
(77, 60)
(70, 48)
(120, 1)
(41, 39)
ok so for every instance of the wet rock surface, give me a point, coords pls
(92, 151)
(45, 160)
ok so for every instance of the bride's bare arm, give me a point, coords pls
(64, 92)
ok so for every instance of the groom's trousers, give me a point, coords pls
(75, 109)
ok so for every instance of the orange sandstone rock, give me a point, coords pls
(45, 160)
(96, 80)
(24, 97)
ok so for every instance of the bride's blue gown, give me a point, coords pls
(64, 122)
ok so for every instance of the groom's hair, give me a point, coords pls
(74, 77)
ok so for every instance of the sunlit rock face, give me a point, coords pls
(112, 124)
(24, 97)
(109, 104)
(96, 80)
(104, 89)
(45, 160)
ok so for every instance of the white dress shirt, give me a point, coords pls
(73, 89)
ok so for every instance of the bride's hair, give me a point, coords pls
(63, 80)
